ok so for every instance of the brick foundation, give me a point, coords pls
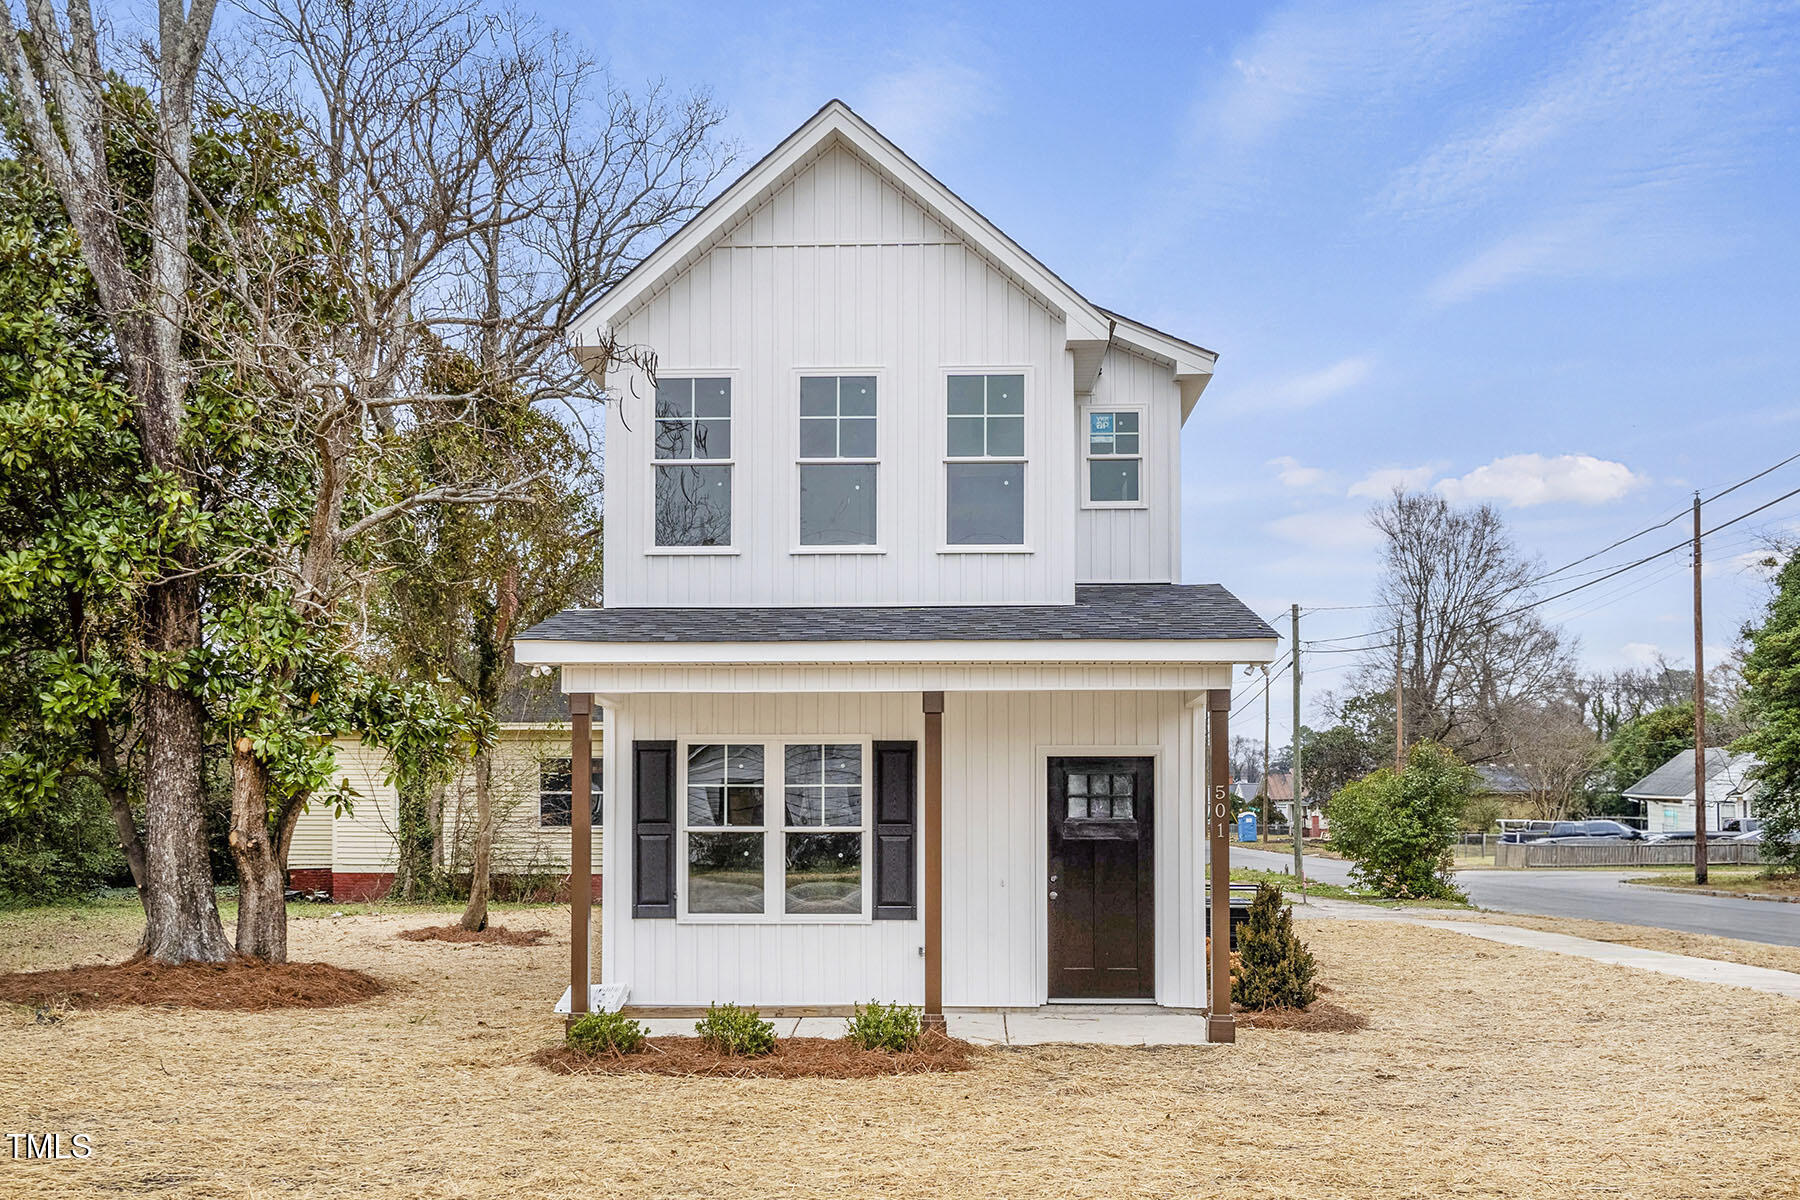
(360, 885)
(310, 879)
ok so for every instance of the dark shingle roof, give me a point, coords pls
(1101, 612)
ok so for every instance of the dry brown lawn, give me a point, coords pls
(1488, 1071)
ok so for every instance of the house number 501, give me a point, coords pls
(1220, 809)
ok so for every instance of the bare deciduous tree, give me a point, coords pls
(1475, 655)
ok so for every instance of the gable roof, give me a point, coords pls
(1090, 328)
(1674, 780)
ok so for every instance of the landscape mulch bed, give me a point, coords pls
(792, 1058)
(1321, 1016)
(493, 935)
(241, 985)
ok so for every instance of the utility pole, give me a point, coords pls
(1299, 870)
(1267, 684)
(1399, 699)
(1699, 714)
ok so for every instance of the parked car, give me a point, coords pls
(1677, 835)
(1582, 832)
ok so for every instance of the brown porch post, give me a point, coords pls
(581, 846)
(1221, 1026)
(934, 858)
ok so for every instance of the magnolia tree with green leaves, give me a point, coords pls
(1772, 696)
(1400, 827)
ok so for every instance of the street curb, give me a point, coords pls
(1686, 891)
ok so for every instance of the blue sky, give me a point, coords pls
(1543, 255)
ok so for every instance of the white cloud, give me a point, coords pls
(1639, 654)
(1758, 564)
(924, 104)
(1522, 480)
(1326, 530)
(1378, 485)
(1295, 475)
(1313, 387)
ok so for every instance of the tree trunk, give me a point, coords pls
(131, 843)
(262, 911)
(412, 838)
(182, 916)
(475, 916)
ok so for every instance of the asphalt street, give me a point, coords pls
(1595, 895)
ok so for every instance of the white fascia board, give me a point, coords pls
(561, 653)
(836, 120)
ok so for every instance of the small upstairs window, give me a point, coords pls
(837, 460)
(984, 461)
(1114, 459)
(693, 462)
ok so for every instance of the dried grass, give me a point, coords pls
(1487, 1071)
(243, 984)
(1321, 1016)
(793, 1058)
(493, 935)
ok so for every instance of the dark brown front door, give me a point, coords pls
(1102, 911)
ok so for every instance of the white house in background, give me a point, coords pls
(1667, 793)
(352, 856)
(905, 697)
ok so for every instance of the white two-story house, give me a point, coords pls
(905, 699)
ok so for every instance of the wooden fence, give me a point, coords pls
(1622, 854)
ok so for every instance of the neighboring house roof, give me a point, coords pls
(1674, 780)
(1281, 785)
(532, 700)
(1101, 612)
(1502, 781)
(1091, 329)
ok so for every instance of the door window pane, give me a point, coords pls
(986, 504)
(837, 504)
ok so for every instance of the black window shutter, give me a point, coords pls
(896, 831)
(653, 829)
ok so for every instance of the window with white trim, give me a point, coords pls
(746, 857)
(1115, 457)
(556, 793)
(837, 460)
(693, 462)
(984, 461)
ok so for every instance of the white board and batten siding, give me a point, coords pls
(1133, 545)
(840, 272)
(996, 931)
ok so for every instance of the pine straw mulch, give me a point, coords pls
(493, 935)
(792, 1058)
(1321, 1016)
(241, 985)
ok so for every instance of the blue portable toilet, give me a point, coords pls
(1246, 827)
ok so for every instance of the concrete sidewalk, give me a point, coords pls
(1682, 966)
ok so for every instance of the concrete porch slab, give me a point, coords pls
(1109, 1025)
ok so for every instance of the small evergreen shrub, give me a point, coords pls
(1274, 967)
(878, 1026)
(605, 1033)
(729, 1029)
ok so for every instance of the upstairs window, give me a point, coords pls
(837, 460)
(556, 793)
(693, 462)
(1114, 458)
(984, 469)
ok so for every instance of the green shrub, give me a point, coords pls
(1400, 827)
(1274, 967)
(605, 1033)
(729, 1029)
(878, 1026)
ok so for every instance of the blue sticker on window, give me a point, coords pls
(1100, 422)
